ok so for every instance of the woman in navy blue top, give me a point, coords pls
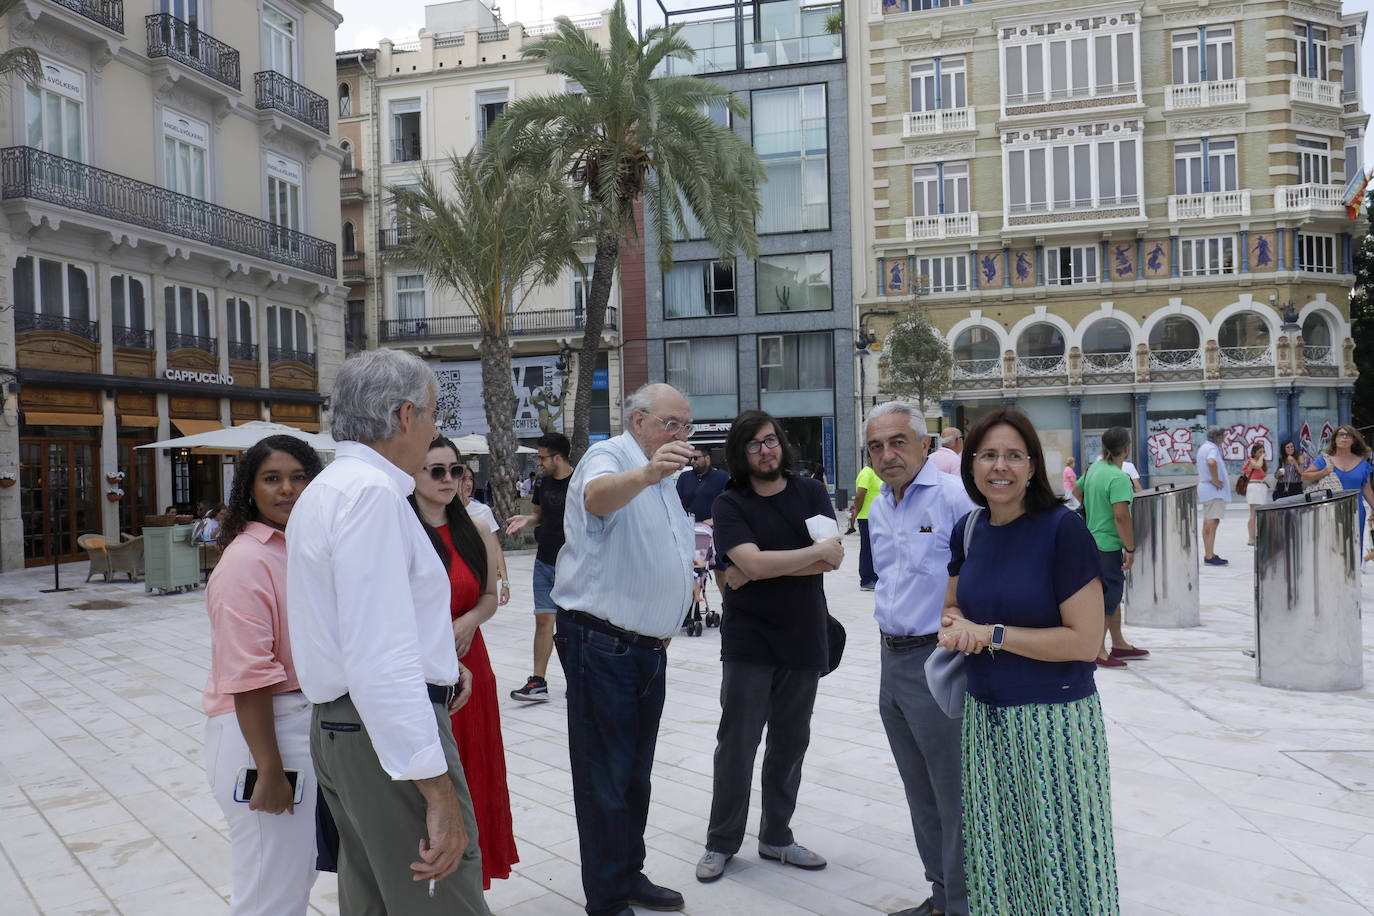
(1026, 604)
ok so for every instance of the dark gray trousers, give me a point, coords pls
(926, 745)
(751, 696)
(381, 822)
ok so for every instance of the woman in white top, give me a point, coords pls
(482, 515)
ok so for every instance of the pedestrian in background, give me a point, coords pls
(865, 490)
(1070, 481)
(1026, 602)
(1288, 474)
(1345, 456)
(946, 457)
(1256, 470)
(1213, 493)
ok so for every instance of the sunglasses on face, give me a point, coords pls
(438, 472)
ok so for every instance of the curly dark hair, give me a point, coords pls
(1039, 494)
(241, 509)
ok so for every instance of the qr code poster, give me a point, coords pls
(538, 397)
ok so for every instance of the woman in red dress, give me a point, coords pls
(470, 556)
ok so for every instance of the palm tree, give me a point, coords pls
(493, 239)
(19, 59)
(628, 136)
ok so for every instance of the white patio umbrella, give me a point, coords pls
(474, 444)
(243, 437)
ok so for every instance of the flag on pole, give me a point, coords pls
(1354, 193)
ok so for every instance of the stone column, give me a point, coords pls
(1142, 420)
(1076, 429)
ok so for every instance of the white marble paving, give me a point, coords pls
(1228, 797)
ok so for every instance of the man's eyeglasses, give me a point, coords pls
(674, 428)
(1013, 458)
(438, 472)
(753, 447)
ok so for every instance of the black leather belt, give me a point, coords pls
(909, 642)
(602, 625)
(442, 694)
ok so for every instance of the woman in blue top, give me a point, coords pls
(1036, 787)
(1346, 455)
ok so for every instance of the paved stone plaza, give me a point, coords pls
(1229, 798)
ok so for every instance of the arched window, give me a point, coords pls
(347, 164)
(350, 240)
(1316, 331)
(345, 101)
(976, 343)
(1244, 329)
(1040, 339)
(1175, 333)
(1106, 347)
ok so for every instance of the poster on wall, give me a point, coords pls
(538, 397)
(1314, 436)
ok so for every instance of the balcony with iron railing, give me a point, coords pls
(182, 42)
(1109, 363)
(243, 352)
(132, 338)
(28, 173)
(939, 121)
(1209, 205)
(977, 373)
(393, 238)
(1166, 365)
(25, 321)
(1298, 198)
(192, 342)
(405, 150)
(1320, 361)
(544, 321)
(1042, 370)
(1315, 91)
(109, 13)
(273, 90)
(941, 226)
(351, 185)
(1246, 362)
(1192, 96)
(283, 355)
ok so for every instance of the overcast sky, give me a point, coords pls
(366, 21)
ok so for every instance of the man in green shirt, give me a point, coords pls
(865, 489)
(1106, 492)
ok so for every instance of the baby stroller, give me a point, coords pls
(703, 559)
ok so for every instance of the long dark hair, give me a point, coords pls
(742, 429)
(241, 509)
(1039, 494)
(1283, 453)
(461, 530)
(1357, 444)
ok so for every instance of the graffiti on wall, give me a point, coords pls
(1175, 446)
(1171, 447)
(1241, 438)
(1311, 447)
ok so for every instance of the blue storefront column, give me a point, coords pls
(1008, 402)
(1076, 429)
(1283, 248)
(1173, 257)
(1295, 412)
(1211, 397)
(1244, 252)
(1344, 395)
(1142, 450)
(1285, 416)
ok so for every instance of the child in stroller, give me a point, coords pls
(703, 561)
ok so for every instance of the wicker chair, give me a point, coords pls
(127, 558)
(96, 549)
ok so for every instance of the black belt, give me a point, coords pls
(908, 642)
(601, 625)
(442, 694)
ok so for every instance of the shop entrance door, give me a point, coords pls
(59, 493)
(139, 484)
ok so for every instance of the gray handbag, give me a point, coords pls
(946, 671)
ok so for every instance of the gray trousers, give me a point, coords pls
(751, 696)
(926, 745)
(381, 822)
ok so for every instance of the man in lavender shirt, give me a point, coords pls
(910, 523)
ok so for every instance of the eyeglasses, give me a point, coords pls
(990, 457)
(755, 446)
(438, 472)
(673, 427)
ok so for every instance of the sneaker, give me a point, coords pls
(1132, 652)
(1215, 561)
(536, 690)
(711, 865)
(866, 588)
(1110, 662)
(793, 854)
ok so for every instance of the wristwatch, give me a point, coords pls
(999, 633)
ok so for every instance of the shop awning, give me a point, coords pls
(126, 420)
(45, 418)
(196, 427)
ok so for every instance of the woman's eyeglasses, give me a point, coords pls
(438, 472)
(1013, 459)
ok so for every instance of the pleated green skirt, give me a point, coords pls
(1038, 810)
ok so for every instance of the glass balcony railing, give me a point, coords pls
(786, 33)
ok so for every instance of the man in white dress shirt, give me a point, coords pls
(373, 647)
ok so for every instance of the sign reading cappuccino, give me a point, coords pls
(190, 375)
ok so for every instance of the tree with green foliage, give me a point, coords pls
(627, 136)
(919, 362)
(1362, 318)
(492, 236)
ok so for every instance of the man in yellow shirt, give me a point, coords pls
(865, 489)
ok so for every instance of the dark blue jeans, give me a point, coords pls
(867, 574)
(615, 701)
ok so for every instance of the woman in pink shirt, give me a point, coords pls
(1070, 481)
(259, 719)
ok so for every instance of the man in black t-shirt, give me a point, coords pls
(549, 493)
(773, 640)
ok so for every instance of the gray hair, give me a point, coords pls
(915, 417)
(1216, 433)
(371, 387)
(642, 401)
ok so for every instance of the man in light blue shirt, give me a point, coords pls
(622, 586)
(910, 523)
(1213, 493)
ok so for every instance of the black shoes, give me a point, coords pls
(650, 896)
